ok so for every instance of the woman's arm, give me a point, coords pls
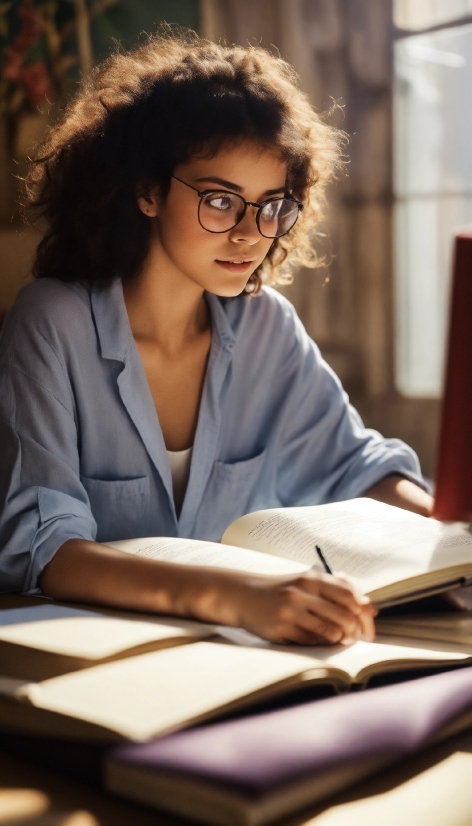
(311, 608)
(396, 490)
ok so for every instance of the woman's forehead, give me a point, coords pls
(244, 164)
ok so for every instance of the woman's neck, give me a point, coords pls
(165, 307)
(171, 325)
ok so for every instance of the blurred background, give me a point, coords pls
(401, 74)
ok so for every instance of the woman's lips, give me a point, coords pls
(236, 266)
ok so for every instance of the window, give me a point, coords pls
(424, 14)
(432, 178)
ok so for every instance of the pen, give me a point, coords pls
(321, 556)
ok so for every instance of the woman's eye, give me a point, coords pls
(220, 202)
(271, 210)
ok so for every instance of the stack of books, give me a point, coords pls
(150, 691)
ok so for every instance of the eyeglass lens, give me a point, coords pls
(221, 211)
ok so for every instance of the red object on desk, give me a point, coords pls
(453, 500)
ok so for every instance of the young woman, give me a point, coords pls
(150, 385)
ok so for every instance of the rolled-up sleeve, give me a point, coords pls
(42, 500)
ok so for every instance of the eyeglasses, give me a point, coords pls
(220, 211)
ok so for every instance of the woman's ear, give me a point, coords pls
(149, 203)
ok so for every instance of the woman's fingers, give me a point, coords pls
(329, 610)
(303, 636)
(333, 588)
(367, 622)
(316, 618)
(310, 609)
(334, 615)
(309, 628)
(338, 590)
(362, 607)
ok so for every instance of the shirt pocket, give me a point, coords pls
(230, 490)
(118, 505)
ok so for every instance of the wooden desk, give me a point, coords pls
(432, 789)
(30, 796)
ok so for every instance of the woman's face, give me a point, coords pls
(220, 263)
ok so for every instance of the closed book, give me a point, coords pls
(258, 769)
(453, 497)
(451, 627)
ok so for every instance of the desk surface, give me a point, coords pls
(432, 789)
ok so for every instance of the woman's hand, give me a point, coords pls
(310, 609)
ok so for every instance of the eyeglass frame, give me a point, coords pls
(201, 194)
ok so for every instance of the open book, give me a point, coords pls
(44, 640)
(391, 554)
(137, 680)
(144, 696)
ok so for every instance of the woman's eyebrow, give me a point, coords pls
(235, 187)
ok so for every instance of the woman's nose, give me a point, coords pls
(247, 229)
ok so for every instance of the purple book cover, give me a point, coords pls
(257, 755)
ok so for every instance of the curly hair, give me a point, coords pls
(142, 113)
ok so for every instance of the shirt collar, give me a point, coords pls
(111, 320)
(220, 322)
(113, 327)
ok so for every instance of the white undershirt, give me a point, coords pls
(179, 461)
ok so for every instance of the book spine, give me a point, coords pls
(453, 498)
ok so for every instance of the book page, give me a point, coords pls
(374, 543)
(365, 656)
(10, 686)
(162, 690)
(355, 658)
(74, 632)
(211, 554)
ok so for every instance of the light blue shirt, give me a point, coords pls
(83, 453)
